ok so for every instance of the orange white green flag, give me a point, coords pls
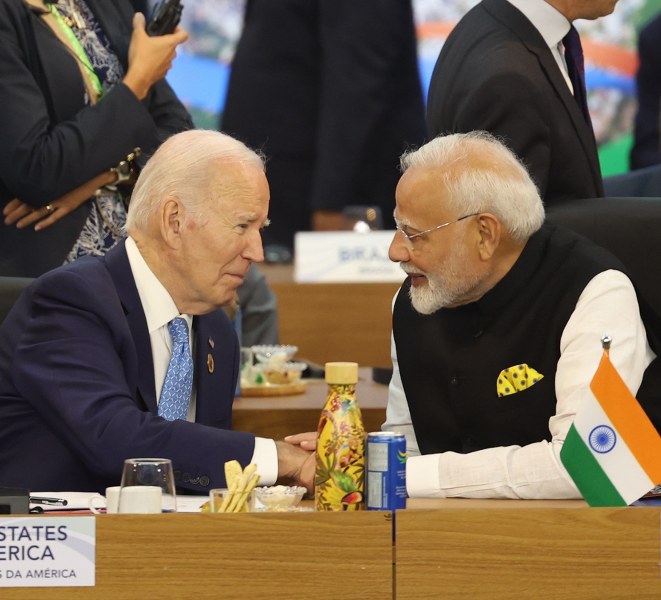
(612, 451)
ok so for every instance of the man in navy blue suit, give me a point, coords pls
(85, 350)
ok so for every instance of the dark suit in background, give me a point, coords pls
(496, 73)
(52, 142)
(330, 92)
(646, 149)
(73, 431)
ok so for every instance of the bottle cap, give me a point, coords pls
(341, 372)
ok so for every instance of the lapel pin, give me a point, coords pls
(210, 363)
(212, 344)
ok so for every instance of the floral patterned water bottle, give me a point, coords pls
(340, 476)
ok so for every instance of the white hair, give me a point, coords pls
(480, 174)
(183, 166)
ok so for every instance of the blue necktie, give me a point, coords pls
(178, 382)
(576, 69)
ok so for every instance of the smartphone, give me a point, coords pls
(165, 17)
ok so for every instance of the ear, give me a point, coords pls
(171, 221)
(490, 230)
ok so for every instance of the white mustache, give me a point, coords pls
(411, 270)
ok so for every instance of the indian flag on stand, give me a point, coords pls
(612, 450)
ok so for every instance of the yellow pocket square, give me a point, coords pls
(516, 379)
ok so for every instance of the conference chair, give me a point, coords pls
(641, 182)
(628, 227)
(10, 290)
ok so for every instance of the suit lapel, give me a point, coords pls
(521, 27)
(207, 368)
(119, 268)
(582, 127)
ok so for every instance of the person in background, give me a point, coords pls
(504, 69)
(254, 310)
(259, 310)
(497, 327)
(76, 135)
(330, 92)
(646, 150)
(130, 354)
(83, 104)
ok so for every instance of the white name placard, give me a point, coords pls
(47, 551)
(344, 257)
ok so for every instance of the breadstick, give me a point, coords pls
(242, 505)
(233, 474)
(248, 472)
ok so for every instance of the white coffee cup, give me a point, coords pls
(140, 499)
(109, 502)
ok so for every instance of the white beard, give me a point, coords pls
(429, 298)
(451, 288)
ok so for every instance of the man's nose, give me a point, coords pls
(255, 250)
(399, 250)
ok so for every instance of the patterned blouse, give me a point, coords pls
(107, 208)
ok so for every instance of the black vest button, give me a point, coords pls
(454, 380)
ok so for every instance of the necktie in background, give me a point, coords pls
(178, 382)
(576, 69)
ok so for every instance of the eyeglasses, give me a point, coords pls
(409, 237)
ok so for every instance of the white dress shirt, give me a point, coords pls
(160, 309)
(608, 305)
(552, 26)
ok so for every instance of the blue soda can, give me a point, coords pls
(386, 470)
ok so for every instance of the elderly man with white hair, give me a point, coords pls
(497, 328)
(130, 354)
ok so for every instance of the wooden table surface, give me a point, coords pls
(235, 556)
(278, 416)
(447, 549)
(504, 550)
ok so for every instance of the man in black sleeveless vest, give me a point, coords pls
(497, 328)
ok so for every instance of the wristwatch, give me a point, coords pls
(125, 169)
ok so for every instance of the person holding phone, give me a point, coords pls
(84, 103)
